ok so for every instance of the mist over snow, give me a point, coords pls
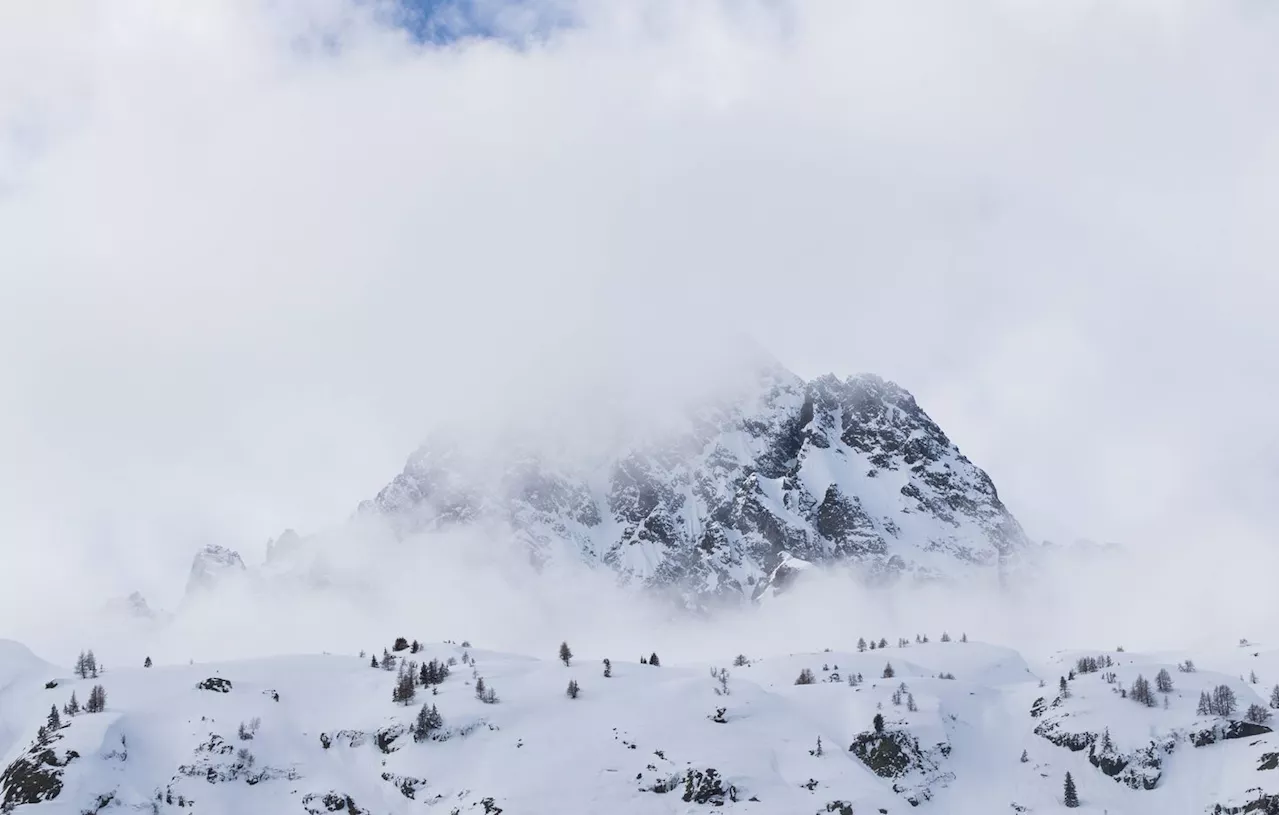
(253, 254)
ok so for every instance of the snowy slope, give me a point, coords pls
(644, 740)
(826, 471)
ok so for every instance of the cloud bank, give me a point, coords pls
(252, 252)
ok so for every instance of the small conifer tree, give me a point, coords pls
(572, 690)
(653, 660)
(862, 644)
(146, 663)
(565, 653)
(608, 668)
(888, 671)
(1069, 797)
(877, 723)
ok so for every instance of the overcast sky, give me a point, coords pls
(250, 252)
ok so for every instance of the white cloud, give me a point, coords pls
(244, 272)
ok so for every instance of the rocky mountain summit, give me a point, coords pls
(829, 471)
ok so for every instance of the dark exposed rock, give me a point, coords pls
(319, 803)
(36, 775)
(215, 683)
(707, 787)
(1230, 730)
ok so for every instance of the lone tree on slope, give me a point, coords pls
(1164, 682)
(1069, 797)
(888, 671)
(565, 653)
(608, 668)
(653, 660)
(877, 723)
(572, 690)
(146, 663)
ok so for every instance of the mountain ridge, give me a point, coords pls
(826, 471)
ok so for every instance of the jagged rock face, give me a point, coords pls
(824, 471)
(210, 565)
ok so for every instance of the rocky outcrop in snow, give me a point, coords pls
(211, 565)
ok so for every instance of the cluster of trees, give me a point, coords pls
(428, 721)
(1221, 701)
(246, 732)
(573, 690)
(96, 704)
(1141, 692)
(903, 642)
(806, 677)
(413, 676)
(1088, 665)
(485, 693)
(900, 693)
(652, 660)
(87, 665)
(721, 676)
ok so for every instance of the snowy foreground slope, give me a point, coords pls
(327, 737)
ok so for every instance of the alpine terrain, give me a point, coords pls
(785, 474)
(946, 725)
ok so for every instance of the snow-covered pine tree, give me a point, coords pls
(862, 645)
(608, 668)
(964, 637)
(945, 637)
(573, 690)
(1253, 678)
(480, 688)
(653, 660)
(1164, 682)
(1070, 798)
(73, 705)
(1024, 758)
(911, 703)
(1063, 690)
(1205, 706)
(877, 723)
(1275, 697)
(805, 677)
(565, 653)
(55, 721)
(146, 663)
(420, 728)
(888, 671)
(884, 643)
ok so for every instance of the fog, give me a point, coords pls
(251, 254)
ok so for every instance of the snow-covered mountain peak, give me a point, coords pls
(829, 470)
(210, 565)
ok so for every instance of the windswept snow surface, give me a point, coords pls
(331, 738)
